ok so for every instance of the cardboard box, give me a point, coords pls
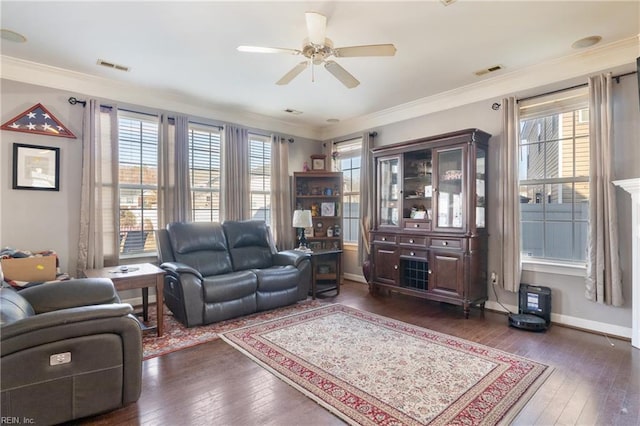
(30, 269)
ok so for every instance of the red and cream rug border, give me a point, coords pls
(495, 398)
(177, 337)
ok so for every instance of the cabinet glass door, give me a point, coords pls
(480, 187)
(388, 184)
(450, 183)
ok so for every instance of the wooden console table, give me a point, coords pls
(142, 275)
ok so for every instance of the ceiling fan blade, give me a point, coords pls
(316, 27)
(367, 50)
(341, 74)
(293, 73)
(258, 49)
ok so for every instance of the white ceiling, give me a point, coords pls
(188, 49)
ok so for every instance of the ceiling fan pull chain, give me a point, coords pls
(313, 75)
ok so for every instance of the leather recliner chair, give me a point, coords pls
(69, 349)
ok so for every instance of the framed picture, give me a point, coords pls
(36, 167)
(318, 162)
(328, 209)
(308, 232)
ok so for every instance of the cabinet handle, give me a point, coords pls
(411, 241)
(395, 267)
(444, 243)
(413, 254)
(384, 238)
(417, 225)
(429, 271)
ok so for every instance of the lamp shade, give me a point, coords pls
(302, 219)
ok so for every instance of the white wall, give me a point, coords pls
(41, 220)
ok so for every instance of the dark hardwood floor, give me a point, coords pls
(596, 380)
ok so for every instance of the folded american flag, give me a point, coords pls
(38, 120)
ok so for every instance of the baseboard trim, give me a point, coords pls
(354, 277)
(590, 326)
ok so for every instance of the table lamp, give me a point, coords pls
(301, 220)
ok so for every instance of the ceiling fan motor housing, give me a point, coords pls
(317, 52)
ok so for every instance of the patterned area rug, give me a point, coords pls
(372, 370)
(176, 336)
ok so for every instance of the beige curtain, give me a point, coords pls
(604, 282)
(366, 196)
(281, 208)
(98, 244)
(174, 195)
(235, 175)
(508, 206)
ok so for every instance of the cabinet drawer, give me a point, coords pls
(416, 225)
(384, 238)
(453, 243)
(413, 241)
(414, 254)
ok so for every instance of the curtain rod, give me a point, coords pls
(371, 135)
(615, 77)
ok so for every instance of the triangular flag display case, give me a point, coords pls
(38, 120)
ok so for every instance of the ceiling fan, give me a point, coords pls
(316, 48)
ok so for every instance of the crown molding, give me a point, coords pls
(597, 59)
(110, 89)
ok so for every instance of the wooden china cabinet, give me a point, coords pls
(429, 238)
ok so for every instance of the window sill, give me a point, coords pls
(556, 268)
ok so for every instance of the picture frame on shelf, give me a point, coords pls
(327, 209)
(308, 232)
(315, 245)
(36, 167)
(318, 162)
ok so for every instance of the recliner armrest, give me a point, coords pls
(177, 268)
(70, 294)
(290, 257)
(53, 319)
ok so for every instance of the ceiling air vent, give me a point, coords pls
(488, 70)
(112, 65)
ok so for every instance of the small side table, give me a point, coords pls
(317, 259)
(142, 275)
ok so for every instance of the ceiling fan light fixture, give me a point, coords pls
(316, 48)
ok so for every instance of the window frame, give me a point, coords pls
(265, 192)
(212, 190)
(345, 150)
(142, 187)
(573, 101)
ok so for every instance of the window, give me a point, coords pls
(260, 177)
(554, 177)
(204, 173)
(138, 175)
(349, 157)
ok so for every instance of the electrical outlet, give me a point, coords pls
(494, 278)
